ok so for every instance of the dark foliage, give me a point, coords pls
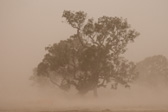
(90, 58)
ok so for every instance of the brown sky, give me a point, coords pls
(28, 26)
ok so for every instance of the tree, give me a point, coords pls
(90, 58)
(153, 71)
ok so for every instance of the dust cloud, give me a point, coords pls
(50, 98)
(27, 26)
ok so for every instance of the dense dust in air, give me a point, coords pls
(28, 26)
(50, 98)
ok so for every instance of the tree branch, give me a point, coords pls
(54, 82)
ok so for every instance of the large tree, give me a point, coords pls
(91, 58)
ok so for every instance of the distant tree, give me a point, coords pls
(90, 58)
(153, 71)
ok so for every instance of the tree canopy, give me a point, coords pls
(153, 71)
(91, 58)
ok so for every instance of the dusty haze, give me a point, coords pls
(28, 26)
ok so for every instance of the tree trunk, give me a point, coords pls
(95, 92)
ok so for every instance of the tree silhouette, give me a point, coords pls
(153, 71)
(91, 58)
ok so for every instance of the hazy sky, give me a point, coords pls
(28, 26)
